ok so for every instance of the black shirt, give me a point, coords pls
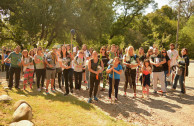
(157, 59)
(165, 66)
(104, 60)
(142, 58)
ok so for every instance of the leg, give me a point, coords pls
(175, 81)
(76, 79)
(133, 77)
(97, 82)
(181, 81)
(38, 76)
(17, 77)
(66, 81)
(11, 73)
(110, 87)
(126, 81)
(92, 80)
(59, 79)
(155, 79)
(43, 76)
(161, 77)
(80, 80)
(71, 78)
(116, 86)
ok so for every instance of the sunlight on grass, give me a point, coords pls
(56, 110)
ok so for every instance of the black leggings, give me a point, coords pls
(93, 85)
(78, 79)
(116, 87)
(40, 73)
(127, 80)
(66, 73)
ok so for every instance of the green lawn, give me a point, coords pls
(56, 110)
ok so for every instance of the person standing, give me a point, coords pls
(79, 64)
(173, 55)
(117, 69)
(39, 60)
(95, 66)
(131, 61)
(15, 68)
(28, 68)
(51, 60)
(182, 71)
(66, 65)
(166, 66)
(7, 65)
(157, 60)
(104, 57)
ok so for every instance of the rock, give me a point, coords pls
(6, 88)
(23, 111)
(5, 98)
(18, 103)
(22, 123)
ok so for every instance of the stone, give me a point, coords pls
(5, 98)
(18, 103)
(23, 111)
(22, 123)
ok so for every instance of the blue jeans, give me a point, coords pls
(181, 79)
(166, 82)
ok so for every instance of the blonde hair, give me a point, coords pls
(128, 50)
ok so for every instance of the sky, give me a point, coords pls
(160, 4)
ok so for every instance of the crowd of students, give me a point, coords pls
(68, 65)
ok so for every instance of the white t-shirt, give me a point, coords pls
(26, 61)
(173, 54)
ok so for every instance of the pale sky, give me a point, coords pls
(160, 4)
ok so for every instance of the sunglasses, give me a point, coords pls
(103, 49)
(163, 52)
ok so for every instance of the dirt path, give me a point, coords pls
(158, 110)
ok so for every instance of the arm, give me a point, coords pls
(162, 62)
(102, 65)
(24, 64)
(48, 64)
(118, 72)
(168, 67)
(109, 69)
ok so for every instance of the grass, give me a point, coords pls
(56, 110)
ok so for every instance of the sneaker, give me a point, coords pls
(164, 94)
(17, 88)
(155, 92)
(95, 98)
(89, 100)
(39, 90)
(85, 82)
(172, 89)
(47, 91)
(52, 90)
(125, 94)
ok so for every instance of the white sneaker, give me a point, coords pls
(39, 89)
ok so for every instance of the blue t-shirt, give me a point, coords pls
(116, 76)
(7, 64)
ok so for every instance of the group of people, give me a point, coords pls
(68, 64)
